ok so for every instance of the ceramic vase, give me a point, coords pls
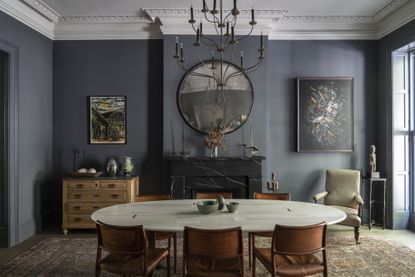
(112, 167)
(127, 166)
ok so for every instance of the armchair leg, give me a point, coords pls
(356, 234)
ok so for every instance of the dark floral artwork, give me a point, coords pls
(107, 120)
(325, 114)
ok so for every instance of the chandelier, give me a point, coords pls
(222, 46)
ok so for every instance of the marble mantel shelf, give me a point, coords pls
(239, 175)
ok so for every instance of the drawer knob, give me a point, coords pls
(77, 196)
(95, 208)
(111, 186)
(96, 195)
(80, 185)
(76, 208)
(115, 196)
(77, 219)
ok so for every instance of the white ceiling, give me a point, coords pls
(294, 7)
(143, 19)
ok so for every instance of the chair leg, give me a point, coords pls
(356, 234)
(175, 252)
(253, 266)
(168, 264)
(250, 249)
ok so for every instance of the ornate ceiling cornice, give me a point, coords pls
(103, 19)
(153, 23)
(43, 9)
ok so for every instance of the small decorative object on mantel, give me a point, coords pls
(127, 166)
(372, 163)
(85, 173)
(112, 167)
(213, 141)
(273, 185)
(250, 150)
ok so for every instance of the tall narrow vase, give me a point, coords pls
(214, 152)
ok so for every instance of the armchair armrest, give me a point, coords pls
(358, 199)
(319, 195)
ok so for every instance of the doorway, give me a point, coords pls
(4, 203)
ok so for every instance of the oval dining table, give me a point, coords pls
(252, 215)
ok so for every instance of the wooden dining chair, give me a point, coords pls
(213, 252)
(213, 194)
(292, 251)
(162, 235)
(128, 252)
(251, 235)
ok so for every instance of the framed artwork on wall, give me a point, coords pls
(325, 115)
(107, 120)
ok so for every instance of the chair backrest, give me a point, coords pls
(342, 185)
(272, 196)
(151, 197)
(213, 194)
(299, 240)
(122, 240)
(212, 245)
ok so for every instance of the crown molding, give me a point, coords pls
(153, 23)
(43, 9)
(28, 16)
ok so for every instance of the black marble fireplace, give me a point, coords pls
(239, 175)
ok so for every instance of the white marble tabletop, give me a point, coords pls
(252, 215)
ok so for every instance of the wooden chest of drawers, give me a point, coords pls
(81, 197)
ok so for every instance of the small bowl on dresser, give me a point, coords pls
(232, 206)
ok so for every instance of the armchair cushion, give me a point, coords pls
(358, 199)
(342, 186)
(352, 218)
(319, 195)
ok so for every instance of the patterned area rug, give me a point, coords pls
(76, 257)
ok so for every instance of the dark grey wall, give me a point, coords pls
(302, 174)
(391, 42)
(35, 121)
(3, 185)
(130, 67)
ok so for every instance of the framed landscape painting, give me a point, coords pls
(107, 119)
(324, 114)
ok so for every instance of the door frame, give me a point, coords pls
(11, 130)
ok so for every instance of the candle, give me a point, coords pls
(204, 6)
(197, 36)
(234, 5)
(242, 59)
(262, 44)
(250, 132)
(227, 28)
(213, 59)
(233, 33)
(200, 27)
(177, 47)
(214, 5)
(181, 50)
(191, 13)
(252, 16)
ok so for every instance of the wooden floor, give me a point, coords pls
(402, 236)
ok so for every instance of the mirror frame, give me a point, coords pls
(184, 77)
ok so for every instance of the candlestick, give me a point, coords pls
(204, 6)
(214, 5)
(252, 15)
(191, 13)
(181, 51)
(197, 36)
(213, 59)
(242, 59)
(177, 47)
(200, 27)
(227, 28)
(262, 44)
(233, 33)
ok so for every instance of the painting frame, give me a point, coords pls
(102, 132)
(325, 114)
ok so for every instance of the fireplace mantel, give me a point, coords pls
(239, 175)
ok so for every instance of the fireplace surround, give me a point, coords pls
(239, 175)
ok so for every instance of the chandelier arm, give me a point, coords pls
(208, 20)
(214, 44)
(229, 63)
(251, 68)
(198, 55)
(247, 35)
(226, 17)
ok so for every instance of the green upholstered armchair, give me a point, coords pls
(343, 192)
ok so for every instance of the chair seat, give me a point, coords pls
(208, 268)
(352, 218)
(290, 265)
(263, 234)
(132, 265)
(164, 235)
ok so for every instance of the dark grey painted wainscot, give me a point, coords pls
(239, 175)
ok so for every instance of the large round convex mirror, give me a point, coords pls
(205, 106)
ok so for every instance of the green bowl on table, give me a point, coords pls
(207, 207)
(232, 206)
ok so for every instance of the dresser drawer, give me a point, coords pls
(79, 219)
(113, 184)
(85, 208)
(90, 195)
(81, 184)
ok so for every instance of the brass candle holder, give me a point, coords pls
(273, 185)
